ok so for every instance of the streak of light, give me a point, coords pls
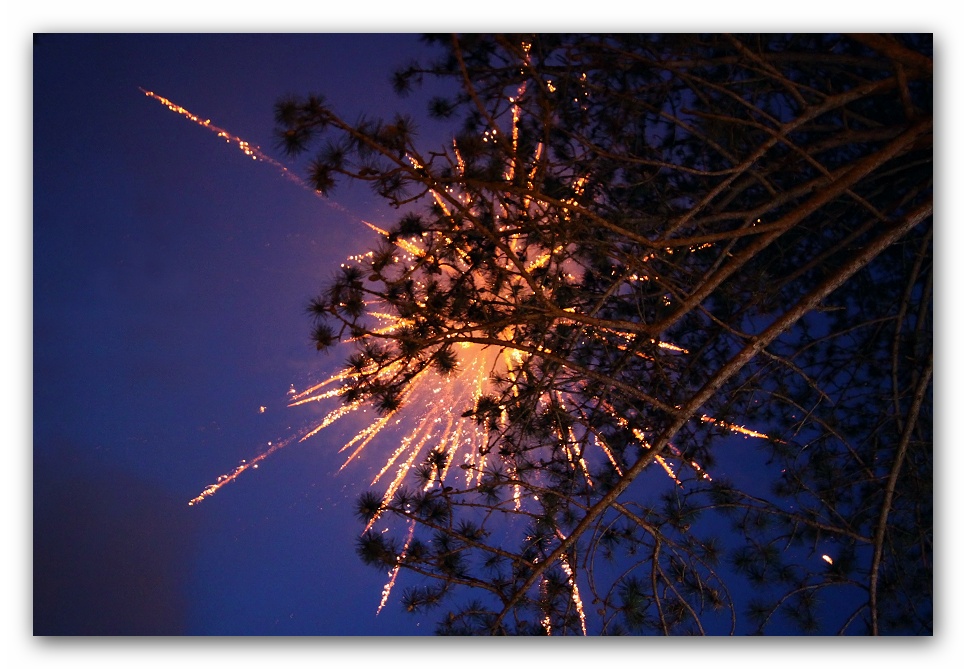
(243, 145)
(739, 429)
(254, 152)
(572, 582)
(225, 479)
(574, 593)
(670, 472)
(387, 589)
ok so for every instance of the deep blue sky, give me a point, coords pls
(169, 279)
(171, 274)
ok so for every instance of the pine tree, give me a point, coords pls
(665, 238)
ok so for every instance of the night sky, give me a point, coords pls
(170, 274)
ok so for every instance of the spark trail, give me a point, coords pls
(254, 152)
(239, 470)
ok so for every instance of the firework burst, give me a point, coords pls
(431, 420)
(430, 415)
